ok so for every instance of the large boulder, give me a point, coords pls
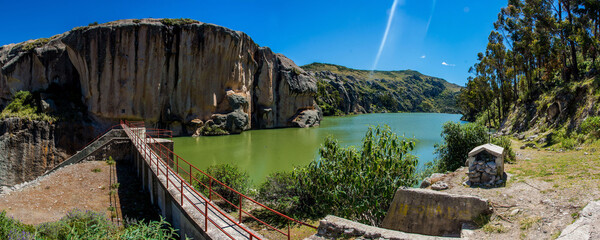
(587, 226)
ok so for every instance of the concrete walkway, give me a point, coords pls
(194, 203)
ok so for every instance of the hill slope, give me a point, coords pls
(343, 90)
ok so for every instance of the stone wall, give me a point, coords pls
(431, 212)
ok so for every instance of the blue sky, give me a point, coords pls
(423, 34)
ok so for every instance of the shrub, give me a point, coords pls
(24, 105)
(591, 126)
(13, 229)
(35, 44)
(504, 142)
(79, 224)
(152, 230)
(458, 141)
(177, 21)
(230, 176)
(365, 178)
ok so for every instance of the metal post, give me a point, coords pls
(206, 216)
(289, 235)
(240, 221)
(210, 189)
(177, 160)
(191, 182)
(181, 192)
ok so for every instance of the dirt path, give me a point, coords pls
(86, 186)
(545, 192)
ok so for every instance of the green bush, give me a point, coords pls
(24, 105)
(591, 126)
(79, 224)
(365, 178)
(230, 176)
(504, 142)
(459, 140)
(177, 21)
(151, 230)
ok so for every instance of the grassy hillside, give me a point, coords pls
(344, 90)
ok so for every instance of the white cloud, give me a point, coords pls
(448, 64)
(423, 57)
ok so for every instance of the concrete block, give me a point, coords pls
(430, 212)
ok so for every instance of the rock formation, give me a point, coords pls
(343, 90)
(27, 150)
(167, 73)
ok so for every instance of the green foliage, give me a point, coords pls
(212, 130)
(459, 140)
(564, 139)
(504, 142)
(177, 21)
(79, 224)
(591, 126)
(24, 105)
(380, 91)
(229, 175)
(110, 161)
(35, 44)
(538, 49)
(93, 24)
(151, 230)
(364, 178)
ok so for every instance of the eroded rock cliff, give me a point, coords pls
(27, 150)
(172, 75)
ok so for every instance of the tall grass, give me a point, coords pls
(79, 224)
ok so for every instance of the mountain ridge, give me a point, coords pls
(343, 90)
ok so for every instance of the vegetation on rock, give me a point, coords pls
(343, 90)
(177, 21)
(78, 224)
(539, 71)
(24, 105)
(364, 178)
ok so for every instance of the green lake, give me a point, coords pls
(261, 152)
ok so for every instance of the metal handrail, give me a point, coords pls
(182, 181)
(158, 147)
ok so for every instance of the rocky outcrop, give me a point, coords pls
(166, 74)
(343, 91)
(587, 225)
(27, 150)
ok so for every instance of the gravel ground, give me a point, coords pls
(86, 186)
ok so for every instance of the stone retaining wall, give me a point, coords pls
(431, 212)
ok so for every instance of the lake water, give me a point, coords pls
(261, 152)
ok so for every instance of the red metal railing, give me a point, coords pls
(171, 159)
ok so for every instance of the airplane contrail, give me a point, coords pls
(385, 34)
